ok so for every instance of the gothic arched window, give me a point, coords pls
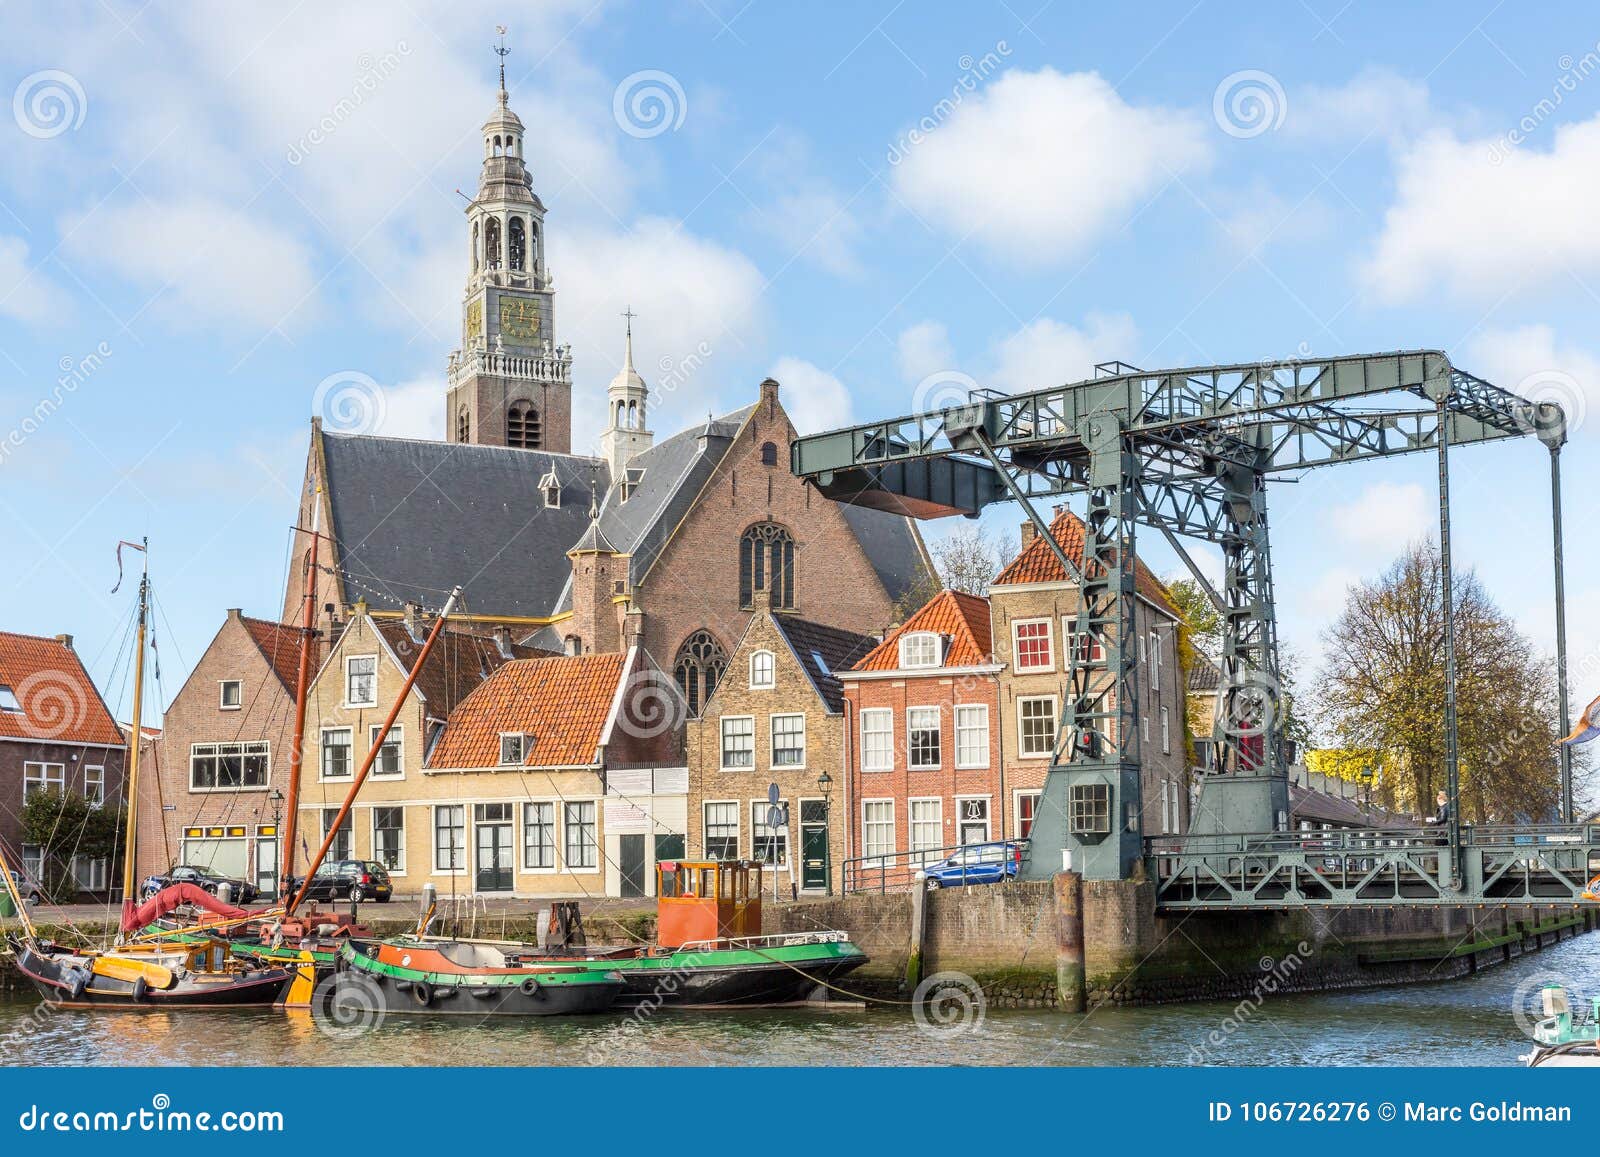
(699, 667)
(769, 453)
(464, 425)
(491, 243)
(766, 562)
(518, 244)
(523, 429)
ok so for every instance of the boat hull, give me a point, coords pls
(778, 974)
(63, 981)
(366, 984)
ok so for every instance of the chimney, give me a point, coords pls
(413, 621)
(1029, 533)
(761, 599)
(769, 395)
(502, 640)
(65, 641)
(633, 629)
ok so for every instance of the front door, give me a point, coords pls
(814, 865)
(267, 861)
(630, 855)
(495, 866)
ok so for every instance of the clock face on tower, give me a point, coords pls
(519, 319)
(474, 319)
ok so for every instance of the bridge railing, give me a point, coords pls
(900, 871)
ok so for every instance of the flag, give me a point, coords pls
(120, 545)
(1588, 725)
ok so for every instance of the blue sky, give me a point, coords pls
(206, 217)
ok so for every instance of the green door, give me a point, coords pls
(814, 865)
(630, 856)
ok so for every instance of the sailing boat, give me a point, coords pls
(193, 973)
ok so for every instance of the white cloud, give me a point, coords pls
(1385, 517)
(1477, 219)
(1325, 596)
(1047, 352)
(1375, 103)
(413, 409)
(1042, 164)
(818, 228)
(814, 398)
(26, 295)
(923, 349)
(1528, 360)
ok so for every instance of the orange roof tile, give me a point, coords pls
(963, 618)
(280, 644)
(563, 702)
(59, 702)
(457, 666)
(1037, 563)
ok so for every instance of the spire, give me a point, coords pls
(502, 52)
(627, 431)
(627, 356)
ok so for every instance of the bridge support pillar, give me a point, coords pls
(1070, 975)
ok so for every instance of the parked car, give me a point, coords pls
(242, 891)
(350, 879)
(974, 864)
(29, 890)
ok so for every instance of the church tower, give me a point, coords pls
(509, 383)
(627, 431)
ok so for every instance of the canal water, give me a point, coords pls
(1471, 1021)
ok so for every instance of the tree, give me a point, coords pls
(1383, 689)
(64, 824)
(1205, 625)
(967, 559)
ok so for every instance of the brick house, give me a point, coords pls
(1033, 602)
(213, 794)
(926, 770)
(777, 716)
(56, 734)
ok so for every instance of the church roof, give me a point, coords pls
(413, 518)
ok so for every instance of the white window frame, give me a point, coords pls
(1054, 715)
(772, 741)
(1144, 727)
(877, 714)
(36, 776)
(222, 694)
(1075, 639)
(524, 743)
(867, 826)
(763, 663)
(348, 700)
(597, 849)
(1166, 732)
(372, 823)
(967, 728)
(397, 736)
(705, 826)
(322, 762)
(328, 814)
(465, 855)
(938, 733)
(758, 828)
(1016, 646)
(912, 844)
(988, 816)
(1144, 652)
(919, 639)
(216, 751)
(722, 742)
(8, 699)
(555, 837)
(89, 874)
(99, 798)
(1155, 659)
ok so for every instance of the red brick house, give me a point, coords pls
(55, 735)
(923, 710)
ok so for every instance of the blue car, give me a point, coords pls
(974, 864)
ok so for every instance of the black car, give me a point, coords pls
(350, 879)
(242, 891)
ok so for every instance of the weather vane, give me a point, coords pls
(502, 52)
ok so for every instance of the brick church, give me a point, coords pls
(664, 543)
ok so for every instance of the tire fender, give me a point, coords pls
(77, 980)
(140, 990)
(421, 993)
(532, 987)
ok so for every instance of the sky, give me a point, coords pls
(217, 224)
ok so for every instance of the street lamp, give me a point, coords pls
(825, 786)
(275, 797)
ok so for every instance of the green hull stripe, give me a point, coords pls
(557, 979)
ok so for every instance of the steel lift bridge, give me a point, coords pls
(1188, 452)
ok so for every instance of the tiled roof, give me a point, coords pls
(281, 646)
(823, 651)
(563, 702)
(1204, 675)
(457, 666)
(962, 617)
(58, 699)
(1037, 563)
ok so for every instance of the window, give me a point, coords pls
(972, 735)
(361, 681)
(550, 487)
(761, 670)
(391, 756)
(515, 748)
(1089, 648)
(524, 430)
(1036, 725)
(766, 563)
(32, 861)
(8, 699)
(972, 816)
(698, 669)
(89, 874)
(336, 753)
(922, 737)
(738, 742)
(877, 739)
(538, 836)
(229, 766)
(1155, 661)
(920, 649)
(389, 837)
(927, 827)
(94, 784)
(769, 453)
(340, 848)
(722, 831)
(1166, 732)
(1032, 645)
(788, 741)
(767, 844)
(231, 692)
(1089, 808)
(1144, 728)
(1027, 808)
(877, 827)
(583, 850)
(43, 777)
(463, 425)
(449, 838)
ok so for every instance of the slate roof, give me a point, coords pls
(823, 651)
(59, 702)
(892, 547)
(1320, 807)
(280, 645)
(414, 518)
(1204, 675)
(562, 702)
(963, 618)
(457, 666)
(1037, 563)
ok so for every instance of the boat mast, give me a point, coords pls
(296, 749)
(372, 752)
(131, 787)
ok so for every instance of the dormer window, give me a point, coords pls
(630, 482)
(550, 487)
(8, 699)
(920, 649)
(761, 670)
(515, 747)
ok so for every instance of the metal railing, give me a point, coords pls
(899, 871)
